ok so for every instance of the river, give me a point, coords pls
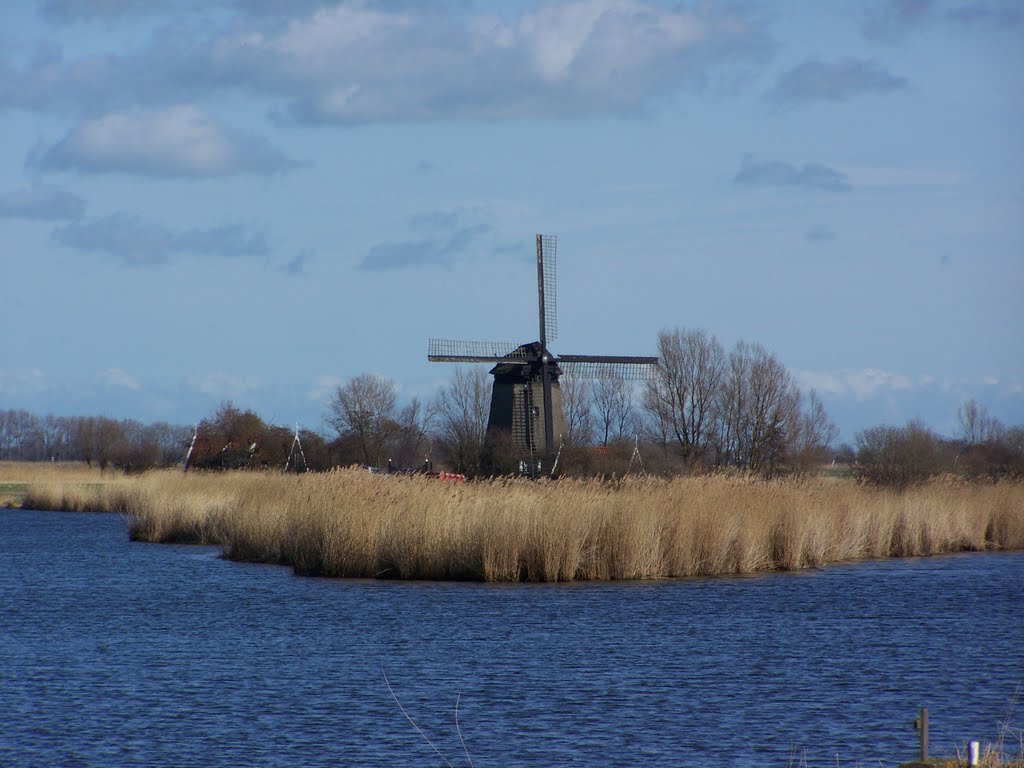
(115, 653)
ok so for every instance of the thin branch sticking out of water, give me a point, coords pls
(413, 722)
(457, 728)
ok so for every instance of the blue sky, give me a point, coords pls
(256, 199)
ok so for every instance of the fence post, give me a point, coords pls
(921, 724)
(973, 750)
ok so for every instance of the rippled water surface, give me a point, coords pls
(124, 654)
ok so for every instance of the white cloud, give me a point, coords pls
(323, 386)
(25, 381)
(115, 377)
(822, 382)
(175, 141)
(860, 384)
(990, 381)
(224, 385)
(556, 59)
(355, 62)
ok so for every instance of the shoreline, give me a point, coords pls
(348, 523)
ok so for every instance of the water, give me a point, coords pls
(128, 654)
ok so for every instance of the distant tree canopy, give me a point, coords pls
(229, 438)
(901, 456)
(126, 444)
(742, 409)
(703, 410)
(458, 417)
(371, 430)
(232, 438)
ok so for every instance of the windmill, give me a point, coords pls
(527, 399)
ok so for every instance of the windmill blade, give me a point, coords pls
(599, 367)
(451, 351)
(547, 277)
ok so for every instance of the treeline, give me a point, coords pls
(711, 408)
(232, 438)
(985, 449)
(123, 444)
(704, 409)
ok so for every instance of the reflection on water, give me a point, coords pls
(119, 653)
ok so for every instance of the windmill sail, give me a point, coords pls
(547, 286)
(599, 367)
(452, 351)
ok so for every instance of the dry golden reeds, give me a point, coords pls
(352, 523)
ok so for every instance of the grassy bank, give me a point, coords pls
(351, 523)
(17, 478)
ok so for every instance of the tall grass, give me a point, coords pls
(71, 486)
(352, 523)
(45, 471)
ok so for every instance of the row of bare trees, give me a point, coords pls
(740, 409)
(703, 408)
(706, 407)
(99, 440)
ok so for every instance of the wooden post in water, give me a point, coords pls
(921, 724)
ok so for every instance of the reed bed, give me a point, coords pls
(15, 476)
(71, 486)
(46, 471)
(349, 523)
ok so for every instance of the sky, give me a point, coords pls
(254, 200)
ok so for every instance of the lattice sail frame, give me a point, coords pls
(549, 257)
(605, 370)
(451, 350)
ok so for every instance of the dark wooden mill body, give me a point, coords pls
(526, 401)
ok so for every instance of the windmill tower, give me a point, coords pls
(527, 399)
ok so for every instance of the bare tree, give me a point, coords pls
(111, 444)
(54, 437)
(83, 439)
(579, 419)
(680, 399)
(461, 411)
(774, 417)
(22, 436)
(613, 408)
(898, 455)
(411, 443)
(172, 441)
(363, 409)
(976, 425)
(815, 435)
(732, 410)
